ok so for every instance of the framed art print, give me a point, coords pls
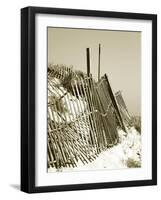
(88, 99)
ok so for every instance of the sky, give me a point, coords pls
(120, 57)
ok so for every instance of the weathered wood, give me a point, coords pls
(99, 61)
(89, 128)
(115, 104)
(88, 61)
(123, 108)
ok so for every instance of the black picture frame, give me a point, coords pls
(28, 91)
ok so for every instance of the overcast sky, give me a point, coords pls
(120, 58)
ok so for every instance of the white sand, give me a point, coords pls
(129, 147)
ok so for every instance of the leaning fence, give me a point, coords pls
(123, 108)
(82, 122)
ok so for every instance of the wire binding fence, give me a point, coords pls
(82, 122)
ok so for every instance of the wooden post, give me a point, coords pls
(99, 57)
(88, 61)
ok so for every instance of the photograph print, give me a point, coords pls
(94, 99)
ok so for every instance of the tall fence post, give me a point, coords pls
(88, 61)
(99, 61)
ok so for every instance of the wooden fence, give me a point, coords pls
(123, 108)
(82, 122)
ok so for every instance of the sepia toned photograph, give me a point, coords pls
(88, 99)
(94, 99)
